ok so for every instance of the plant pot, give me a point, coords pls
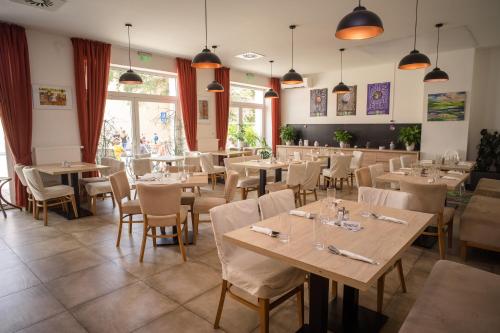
(342, 144)
(475, 176)
(410, 147)
(288, 143)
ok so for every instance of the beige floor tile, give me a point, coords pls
(179, 320)
(63, 322)
(155, 261)
(185, 281)
(18, 222)
(128, 245)
(211, 259)
(83, 224)
(30, 236)
(96, 235)
(46, 248)
(8, 259)
(90, 283)
(15, 279)
(27, 307)
(65, 263)
(123, 310)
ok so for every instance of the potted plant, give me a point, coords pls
(265, 152)
(410, 136)
(342, 137)
(488, 158)
(287, 134)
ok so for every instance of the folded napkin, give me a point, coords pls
(399, 173)
(405, 169)
(454, 172)
(391, 219)
(465, 163)
(148, 177)
(426, 162)
(264, 230)
(449, 177)
(351, 225)
(352, 255)
(430, 180)
(301, 213)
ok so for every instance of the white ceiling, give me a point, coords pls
(175, 27)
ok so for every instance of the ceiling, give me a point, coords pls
(175, 27)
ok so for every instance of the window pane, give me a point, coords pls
(116, 133)
(246, 94)
(153, 84)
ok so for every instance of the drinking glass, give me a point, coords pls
(319, 233)
(285, 228)
(331, 195)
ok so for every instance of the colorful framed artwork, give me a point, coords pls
(378, 98)
(446, 106)
(203, 111)
(52, 97)
(346, 103)
(318, 105)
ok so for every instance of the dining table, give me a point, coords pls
(263, 166)
(453, 180)
(67, 171)
(464, 166)
(382, 241)
(221, 154)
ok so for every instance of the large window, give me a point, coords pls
(246, 116)
(141, 119)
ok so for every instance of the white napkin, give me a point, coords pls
(399, 173)
(148, 177)
(465, 163)
(351, 225)
(356, 256)
(301, 213)
(391, 219)
(405, 169)
(449, 177)
(454, 172)
(262, 230)
(430, 180)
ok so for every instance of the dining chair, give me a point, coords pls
(260, 276)
(202, 205)
(431, 198)
(96, 189)
(45, 197)
(363, 177)
(246, 182)
(126, 208)
(275, 203)
(142, 156)
(18, 169)
(113, 166)
(339, 170)
(375, 171)
(392, 199)
(394, 165)
(141, 166)
(294, 179)
(193, 161)
(161, 207)
(356, 162)
(213, 171)
(406, 161)
(310, 183)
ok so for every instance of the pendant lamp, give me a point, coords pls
(215, 86)
(341, 88)
(415, 59)
(437, 75)
(206, 59)
(359, 24)
(130, 77)
(271, 93)
(292, 77)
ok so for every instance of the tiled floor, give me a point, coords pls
(70, 277)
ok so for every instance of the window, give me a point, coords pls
(246, 116)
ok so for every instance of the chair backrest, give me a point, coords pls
(18, 169)
(141, 166)
(406, 161)
(296, 174)
(394, 164)
(35, 183)
(313, 170)
(340, 166)
(251, 157)
(186, 168)
(427, 198)
(357, 159)
(113, 164)
(120, 186)
(297, 156)
(230, 217)
(230, 185)
(159, 200)
(141, 156)
(375, 171)
(387, 198)
(207, 163)
(229, 164)
(275, 203)
(363, 177)
(194, 161)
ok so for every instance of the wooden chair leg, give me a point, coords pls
(196, 220)
(179, 239)
(153, 231)
(119, 232)
(463, 250)
(130, 224)
(441, 241)
(264, 315)
(221, 304)
(73, 204)
(143, 244)
(186, 233)
(213, 181)
(304, 194)
(45, 214)
(93, 204)
(300, 306)
(380, 293)
(35, 209)
(399, 266)
(113, 200)
(450, 234)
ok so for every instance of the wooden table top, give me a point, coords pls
(261, 164)
(195, 179)
(166, 158)
(382, 241)
(452, 184)
(74, 167)
(467, 166)
(228, 153)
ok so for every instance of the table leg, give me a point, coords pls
(262, 182)
(328, 161)
(173, 240)
(277, 175)
(318, 303)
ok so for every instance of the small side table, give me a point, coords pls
(4, 202)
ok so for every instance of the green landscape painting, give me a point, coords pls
(446, 106)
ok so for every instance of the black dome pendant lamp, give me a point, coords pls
(271, 93)
(415, 59)
(292, 77)
(341, 88)
(437, 75)
(359, 24)
(215, 86)
(130, 77)
(206, 59)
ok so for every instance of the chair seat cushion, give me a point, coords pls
(57, 191)
(480, 222)
(261, 276)
(92, 180)
(488, 187)
(219, 169)
(456, 298)
(131, 207)
(274, 187)
(248, 182)
(187, 198)
(162, 221)
(204, 204)
(96, 188)
(327, 172)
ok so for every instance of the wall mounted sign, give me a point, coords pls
(318, 104)
(50, 97)
(378, 98)
(446, 106)
(203, 111)
(346, 103)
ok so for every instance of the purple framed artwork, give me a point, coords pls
(378, 98)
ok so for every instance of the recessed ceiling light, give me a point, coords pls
(249, 56)
(43, 4)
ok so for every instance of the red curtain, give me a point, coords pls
(276, 113)
(187, 94)
(15, 97)
(91, 62)
(222, 106)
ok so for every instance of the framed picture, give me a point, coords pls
(346, 103)
(203, 111)
(446, 106)
(378, 98)
(318, 106)
(50, 97)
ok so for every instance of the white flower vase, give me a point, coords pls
(342, 144)
(288, 143)
(410, 147)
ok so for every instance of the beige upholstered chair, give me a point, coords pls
(141, 166)
(193, 161)
(161, 207)
(393, 199)
(375, 171)
(18, 169)
(310, 183)
(356, 162)
(394, 165)
(260, 276)
(96, 189)
(213, 171)
(113, 165)
(431, 198)
(339, 169)
(275, 203)
(406, 161)
(45, 197)
(294, 179)
(142, 156)
(127, 209)
(202, 205)
(363, 177)
(245, 183)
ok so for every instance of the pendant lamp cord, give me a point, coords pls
(129, 59)
(271, 68)
(416, 22)
(206, 26)
(292, 48)
(341, 65)
(437, 49)
(359, 3)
